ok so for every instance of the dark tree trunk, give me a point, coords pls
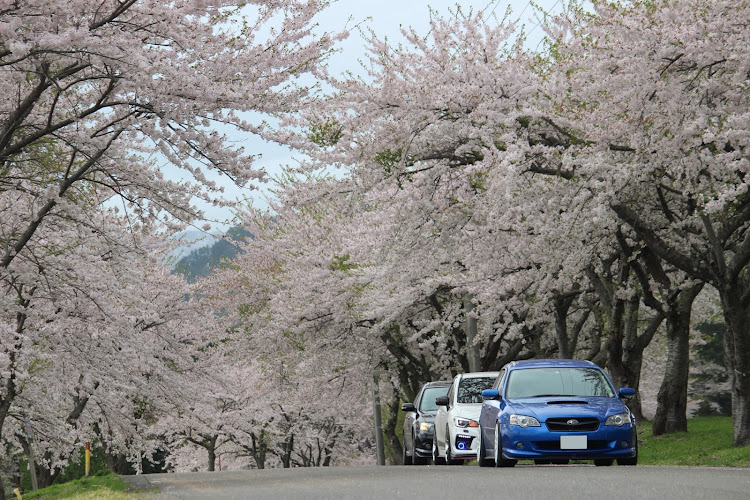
(737, 358)
(259, 449)
(44, 476)
(4, 408)
(671, 410)
(211, 459)
(562, 305)
(286, 449)
(624, 347)
(389, 428)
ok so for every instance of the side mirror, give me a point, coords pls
(626, 392)
(441, 400)
(491, 394)
(408, 407)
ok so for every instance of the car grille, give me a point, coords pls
(571, 424)
(555, 445)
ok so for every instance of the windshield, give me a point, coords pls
(470, 389)
(428, 398)
(539, 382)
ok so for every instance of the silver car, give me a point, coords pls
(457, 418)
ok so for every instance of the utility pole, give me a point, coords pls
(32, 461)
(378, 419)
(472, 351)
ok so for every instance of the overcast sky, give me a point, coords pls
(385, 17)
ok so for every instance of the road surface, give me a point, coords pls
(523, 482)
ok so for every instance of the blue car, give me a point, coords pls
(554, 411)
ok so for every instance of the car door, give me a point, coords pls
(409, 419)
(490, 411)
(441, 417)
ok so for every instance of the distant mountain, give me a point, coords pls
(201, 260)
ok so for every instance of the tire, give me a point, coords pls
(500, 461)
(482, 459)
(603, 462)
(448, 455)
(405, 458)
(436, 459)
(630, 460)
(416, 459)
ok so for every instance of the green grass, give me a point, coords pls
(100, 487)
(708, 442)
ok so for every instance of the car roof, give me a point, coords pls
(438, 383)
(551, 363)
(478, 374)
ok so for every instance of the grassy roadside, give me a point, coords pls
(708, 443)
(99, 487)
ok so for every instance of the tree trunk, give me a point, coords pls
(286, 455)
(671, 410)
(116, 462)
(562, 306)
(633, 347)
(389, 428)
(259, 449)
(737, 359)
(625, 347)
(615, 336)
(211, 459)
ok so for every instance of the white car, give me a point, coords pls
(457, 419)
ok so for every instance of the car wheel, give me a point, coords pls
(603, 462)
(405, 459)
(630, 460)
(416, 459)
(448, 455)
(436, 458)
(499, 460)
(482, 459)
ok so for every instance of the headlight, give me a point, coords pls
(425, 426)
(465, 422)
(524, 421)
(619, 420)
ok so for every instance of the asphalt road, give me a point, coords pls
(524, 482)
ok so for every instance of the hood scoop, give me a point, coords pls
(567, 402)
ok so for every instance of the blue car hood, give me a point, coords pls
(544, 408)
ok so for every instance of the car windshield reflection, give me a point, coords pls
(470, 389)
(427, 404)
(551, 382)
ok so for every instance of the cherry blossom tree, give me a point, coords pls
(289, 306)
(95, 345)
(456, 115)
(661, 136)
(101, 97)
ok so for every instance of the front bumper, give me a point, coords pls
(465, 442)
(423, 443)
(539, 442)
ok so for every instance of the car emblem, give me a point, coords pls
(572, 421)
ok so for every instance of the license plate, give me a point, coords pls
(573, 442)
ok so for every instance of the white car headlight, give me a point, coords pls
(619, 420)
(465, 422)
(425, 426)
(524, 421)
